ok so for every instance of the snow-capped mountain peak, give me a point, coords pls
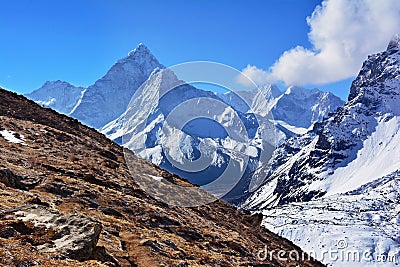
(299, 91)
(109, 97)
(141, 48)
(58, 95)
(301, 107)
(240, 100)
(381, 68)
(54, 83)
(296, 108)
(142, 56)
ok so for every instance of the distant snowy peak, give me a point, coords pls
(300, 92)
(252, 100)
(141, 58)
(272, 90)
(140, 49)
(59, 83)
(297, 107)
(264, 99)
(302, 107)
(108, 98)
(58, 95)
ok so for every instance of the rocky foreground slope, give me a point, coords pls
(68, 199)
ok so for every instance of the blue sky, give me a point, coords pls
(78, 40)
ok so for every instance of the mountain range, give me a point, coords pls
(107, 98)
(352, 147)
(104, 106)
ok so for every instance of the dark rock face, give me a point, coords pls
(7, 231)
(375, 71)
(112, 212)
(8, 178)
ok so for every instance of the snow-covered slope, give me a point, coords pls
(356, 145)
(109, 97)
(358, 228)
(58, 95)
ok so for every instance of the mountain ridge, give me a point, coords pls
(337, 186)
(96, 106)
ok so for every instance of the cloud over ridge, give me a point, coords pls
(342, 33)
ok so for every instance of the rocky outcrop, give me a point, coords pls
(66, 235)
(8, 178)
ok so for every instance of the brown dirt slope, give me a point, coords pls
(67, 198)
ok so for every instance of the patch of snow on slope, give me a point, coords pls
(10, 137)
(292, 128)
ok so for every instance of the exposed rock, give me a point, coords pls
(255, 219)
(74, 236)
(152, 244)
(10, 179)
(112, 212)
(190, 234)
(7, 231)
(38, 201)
(60, 189)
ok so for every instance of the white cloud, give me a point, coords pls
(252, 74)
(343, 33)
